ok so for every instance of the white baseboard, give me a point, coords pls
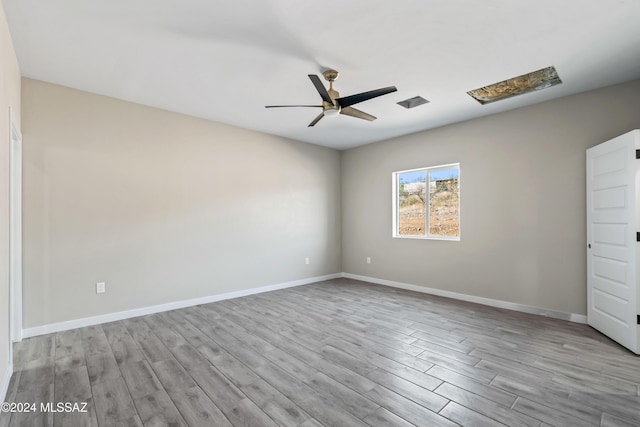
(112, 317)
(4, 382)
(578, 318)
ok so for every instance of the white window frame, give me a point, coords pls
(395, 176)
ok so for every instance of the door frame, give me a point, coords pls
(15, 232)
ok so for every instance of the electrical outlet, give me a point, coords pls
(101, 288)
(306, 260)
(368, 260)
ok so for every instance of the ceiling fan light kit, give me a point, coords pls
(331, 112)
(333, 104)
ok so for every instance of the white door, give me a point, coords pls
(612, 223)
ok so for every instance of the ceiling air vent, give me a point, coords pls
(413, 102)
(536, 80)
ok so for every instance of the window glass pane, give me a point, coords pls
(412, 206)
(444, 216)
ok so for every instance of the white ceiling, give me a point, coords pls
(225, 60)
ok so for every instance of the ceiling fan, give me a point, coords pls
(333, 105)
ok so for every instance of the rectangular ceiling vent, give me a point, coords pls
(536, 80)
(413, 102)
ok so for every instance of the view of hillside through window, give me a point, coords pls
(434, 189)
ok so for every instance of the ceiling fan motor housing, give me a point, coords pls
(334, 94)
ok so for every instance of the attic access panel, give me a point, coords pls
(536, 80)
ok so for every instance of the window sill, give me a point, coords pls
(450, 239)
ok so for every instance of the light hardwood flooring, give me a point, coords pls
(335, 353)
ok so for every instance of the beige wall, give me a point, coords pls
(522, 201)
(9, 97)
(163, 207)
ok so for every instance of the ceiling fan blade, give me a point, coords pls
(350, 111)
(364, 96)
(284, 106)
(316, 120)
(320, 88)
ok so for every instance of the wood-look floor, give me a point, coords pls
(336, 353)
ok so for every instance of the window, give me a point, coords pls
(426, 203)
